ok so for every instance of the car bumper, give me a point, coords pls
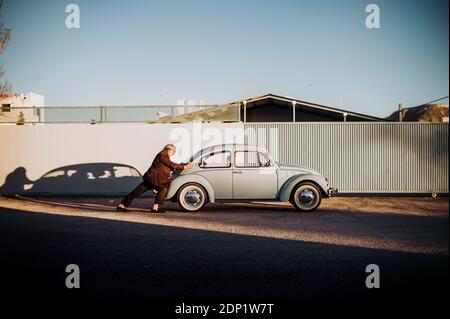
(332, 191)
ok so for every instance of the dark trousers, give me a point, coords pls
(142, 188)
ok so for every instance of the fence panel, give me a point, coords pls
(362, 157)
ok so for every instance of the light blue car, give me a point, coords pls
(240, 172)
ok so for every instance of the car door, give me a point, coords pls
(216, 168)
(254, 176)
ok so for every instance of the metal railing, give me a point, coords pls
(105, 114)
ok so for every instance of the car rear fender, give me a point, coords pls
(285, 191)
(191, 178)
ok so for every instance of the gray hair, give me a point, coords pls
(168, 147)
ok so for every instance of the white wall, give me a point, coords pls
(356, 157)
(40, 148)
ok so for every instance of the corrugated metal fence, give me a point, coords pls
(362, 157)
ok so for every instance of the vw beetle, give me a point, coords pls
(241, 172)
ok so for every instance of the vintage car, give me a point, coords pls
(240, 172)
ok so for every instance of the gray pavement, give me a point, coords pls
(226, 251)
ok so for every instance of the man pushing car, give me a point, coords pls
(157, 178)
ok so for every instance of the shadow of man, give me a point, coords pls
(15, 182)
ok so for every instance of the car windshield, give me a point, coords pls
(204, 151)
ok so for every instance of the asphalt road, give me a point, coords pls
(235, 251)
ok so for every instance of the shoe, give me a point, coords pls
(159, 210)
(121, 209)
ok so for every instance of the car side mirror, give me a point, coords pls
(202, 162)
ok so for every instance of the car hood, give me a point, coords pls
(297, 169)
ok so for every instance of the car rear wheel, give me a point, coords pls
(306, 197)
(192, 197)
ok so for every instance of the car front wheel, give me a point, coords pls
(306, 197)
(192, 197)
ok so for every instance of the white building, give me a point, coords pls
(14, 103)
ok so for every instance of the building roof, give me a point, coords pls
(222, 113)
(251, 102)
(230, 111)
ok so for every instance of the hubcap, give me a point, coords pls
(192, 197)
(307, 197)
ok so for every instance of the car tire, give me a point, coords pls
(192, 197)
(306, 197)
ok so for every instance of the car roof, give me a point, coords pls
(235, 146)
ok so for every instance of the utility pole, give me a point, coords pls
(400, 112)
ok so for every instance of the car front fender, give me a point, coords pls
(285, 191)
(191, 178)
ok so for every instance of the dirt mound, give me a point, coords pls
(423, 113)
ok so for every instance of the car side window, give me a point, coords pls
(264, 161)
(250, 159)
(216, 160)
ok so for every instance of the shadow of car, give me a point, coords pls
(87, 178)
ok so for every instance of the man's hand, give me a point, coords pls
(188, 166)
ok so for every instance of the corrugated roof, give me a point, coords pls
(310, 104)
(230, 112)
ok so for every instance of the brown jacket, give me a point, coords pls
(159, 172)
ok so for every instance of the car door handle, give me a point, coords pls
(237, 172)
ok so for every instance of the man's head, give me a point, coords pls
(170, 149)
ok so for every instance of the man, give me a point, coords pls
(157, 178)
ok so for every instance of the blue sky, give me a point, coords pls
(157, 52)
